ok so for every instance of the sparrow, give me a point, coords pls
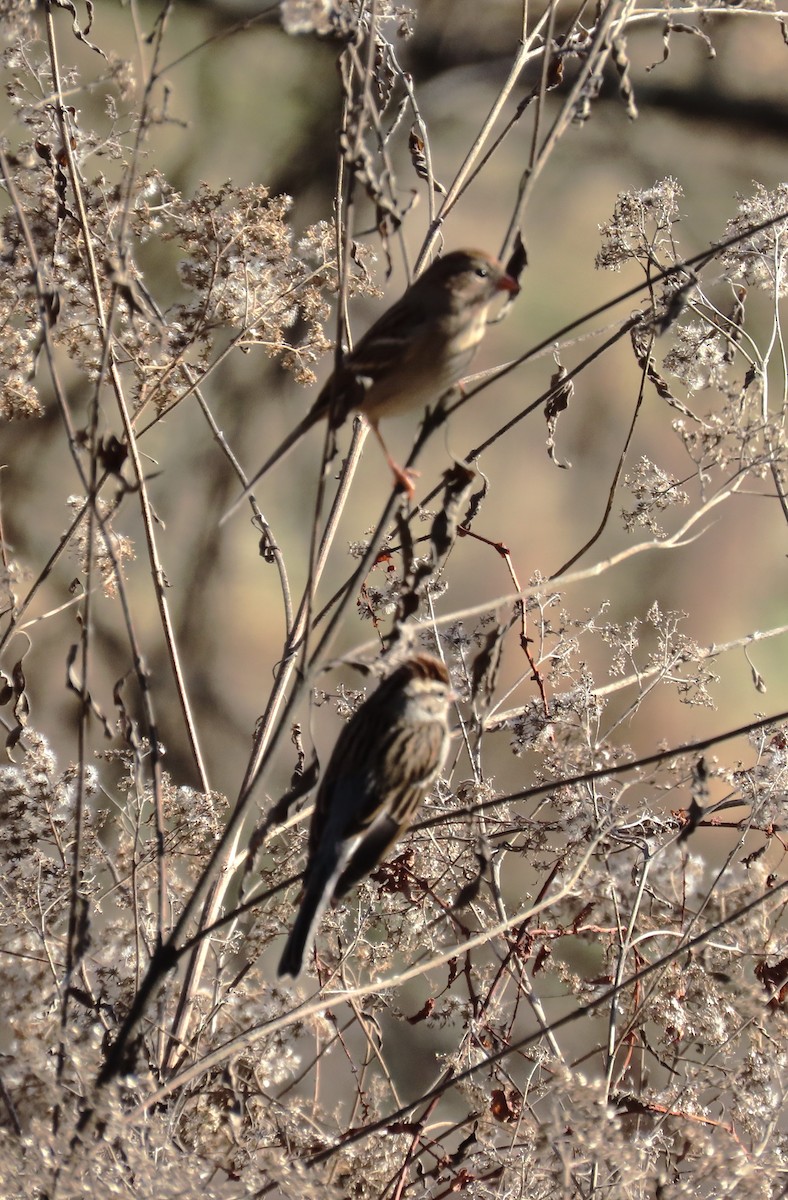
(412, 355)
(382, 765)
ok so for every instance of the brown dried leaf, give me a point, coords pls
(423, 1013)
(506, 1106)
(642, 343)
(621, 63)
(561, 392)
(419, 160)
(73, 685)
(679, 27)
(80, 34)
(518, 259)
(487, 663)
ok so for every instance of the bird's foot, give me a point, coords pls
(405, 479)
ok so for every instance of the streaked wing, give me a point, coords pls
(372, 848)
(387, 346)
(392, 337)
(364, 775)
(380, 812)
(413, 758)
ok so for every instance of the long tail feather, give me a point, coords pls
(294, 436)
(319, 889)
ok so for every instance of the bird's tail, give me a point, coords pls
(319, 890)
(294, 436)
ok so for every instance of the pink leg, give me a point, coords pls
(405, 479)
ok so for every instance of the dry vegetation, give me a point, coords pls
(571, 984)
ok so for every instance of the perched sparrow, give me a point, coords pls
(414, 353)
(384, 761)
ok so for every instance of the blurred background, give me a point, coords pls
(238, 99)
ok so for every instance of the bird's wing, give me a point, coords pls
(387, 345)
(391, 338)
(373, 847)
(374, 810)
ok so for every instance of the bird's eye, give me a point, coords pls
(482, 272)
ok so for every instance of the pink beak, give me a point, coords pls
(507, 284)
